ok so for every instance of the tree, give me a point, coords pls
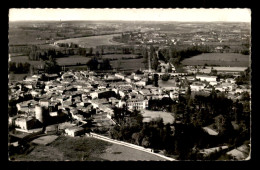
(213, 72)
(136, 138)
(92, 63)
(12, 66)
(165, 77)
(106, 64)
(97, 54)
(188, 94)
(155, 80)
(145, 142)
(51, 66)
(90, 52)
(155, 62)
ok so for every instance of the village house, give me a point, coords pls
(74, 131)
(197, 86)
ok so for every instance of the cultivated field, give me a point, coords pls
(118, 56)
(70, 60)
(92, 41)
(221, 59)
(23, 59)
(128, 65)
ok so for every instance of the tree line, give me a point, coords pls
(19, 67)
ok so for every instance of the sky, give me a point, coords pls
(191, 14)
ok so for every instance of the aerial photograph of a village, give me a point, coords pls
(129, 84)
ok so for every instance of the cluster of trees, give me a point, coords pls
(165, 77)
(51, 66)
(43, 54)
(164, 104)
(19, 68)
(188, 137)
(36, 53)
(218, 110)
(153, 134)
(95, 64)
(244, 77)
(175, 56)
(21, 49)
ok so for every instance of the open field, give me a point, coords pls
(23, 59)
(67, 148)
(16, 77)
(72, 60)
(222, 59)
(19, 36)
(92, 41)
(116, 152)
(128, 65)
(166, 116)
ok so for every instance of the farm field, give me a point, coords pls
(118, 56)
(166, 116)
(70, 60)
(92, 41)
(221, 59)
(23, 59)
(128, 65)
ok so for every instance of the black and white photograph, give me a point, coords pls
(129, 84)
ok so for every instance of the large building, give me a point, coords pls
(206, 78)
(137, 104)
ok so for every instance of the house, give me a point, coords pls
(206, 78)
(213, 83)
(25, 123)
(141, 82)
(174, 95)
(74, 131)
(119, 75)
(197, 86)
(44, 102)
(144, 92)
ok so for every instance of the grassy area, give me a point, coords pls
(117, 152)
(16, 77)
(166, 116)
(92, 41)
(72, 60)
(67, 148)
(222, 59)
